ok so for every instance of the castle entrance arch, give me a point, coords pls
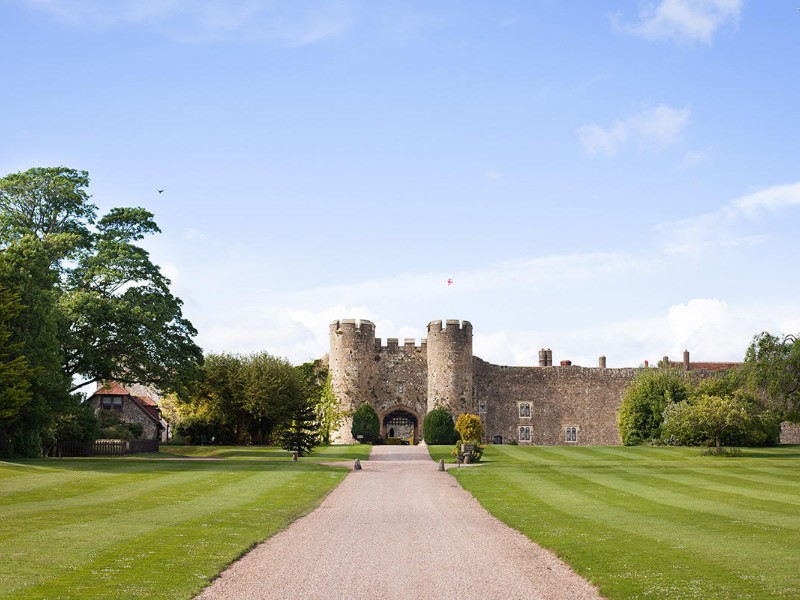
(401, 425)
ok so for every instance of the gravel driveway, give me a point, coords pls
(399, 528)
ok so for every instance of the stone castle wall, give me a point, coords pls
(559, 397)
(450, 377)
(563, 404)
(388, 377)
(790, 433)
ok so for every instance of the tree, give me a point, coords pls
(642, 411)
(272, 389)
(470, 428)
(300, 435)
(36, 330)
(249, 398)
(15, 373)
(95, 306)
(330, 415)
(437, 427)
(772, 364)
(366, 425)
(706, 420)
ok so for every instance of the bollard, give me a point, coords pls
(357, 465)
(441, 464)
(294, 456)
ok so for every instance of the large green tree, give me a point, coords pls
(644, 401)
(15, 373)
(772, 364)
(249, 398)
(95, 306)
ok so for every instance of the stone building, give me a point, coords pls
(131, 408)
(545, 404)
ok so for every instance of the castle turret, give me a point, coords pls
(450, 365)
(351, 366)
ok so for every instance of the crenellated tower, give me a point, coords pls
(450, 365)
(351, 366)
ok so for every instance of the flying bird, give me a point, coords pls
(160, 191)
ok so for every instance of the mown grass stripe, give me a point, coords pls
(146, 530)
(659, 522)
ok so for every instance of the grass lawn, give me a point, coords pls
(133, 528)
(320, 454)
(653, 522)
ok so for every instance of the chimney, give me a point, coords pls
(685, 360)
(542, 357)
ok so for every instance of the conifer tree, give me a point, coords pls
(301, 434)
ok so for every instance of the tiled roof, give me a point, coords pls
(148, 406)
(713, 366)
(112, 388)
(147, 400)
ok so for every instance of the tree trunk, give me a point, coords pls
(719, 442)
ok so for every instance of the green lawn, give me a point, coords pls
(653, 522)
(134, 528)
(320, 454)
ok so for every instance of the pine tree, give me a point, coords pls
(301, 434)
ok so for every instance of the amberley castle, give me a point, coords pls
(545, 405)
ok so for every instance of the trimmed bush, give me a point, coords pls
(438, 427)
(366, 425)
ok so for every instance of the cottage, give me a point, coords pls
(132, 409)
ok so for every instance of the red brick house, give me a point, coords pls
(132, 409)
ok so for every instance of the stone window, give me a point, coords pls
(572, 434)
(525, 434)
(481, 408)
(524, 410)
(400, 388)
(111, 402)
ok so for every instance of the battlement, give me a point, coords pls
(451, 326)
(393, 344)
(353, 327)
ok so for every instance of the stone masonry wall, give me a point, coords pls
(584, 398)
(399, 380)
(790, 433)
(133, 414)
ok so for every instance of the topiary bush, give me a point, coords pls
(438, 427)
(366, 425)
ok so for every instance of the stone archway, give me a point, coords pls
(400, 424)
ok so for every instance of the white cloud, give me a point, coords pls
(725, 226)
(708, 327)
(657, 126)
(683, 20)
(770, 199)
(290, 24)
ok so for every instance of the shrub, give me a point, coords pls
(202, 430)
(470, 428)
(112, 427)
(438, 427)
(366, 425)
(731, 420)
(644, 401)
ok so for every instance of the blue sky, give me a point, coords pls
(616, 178)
